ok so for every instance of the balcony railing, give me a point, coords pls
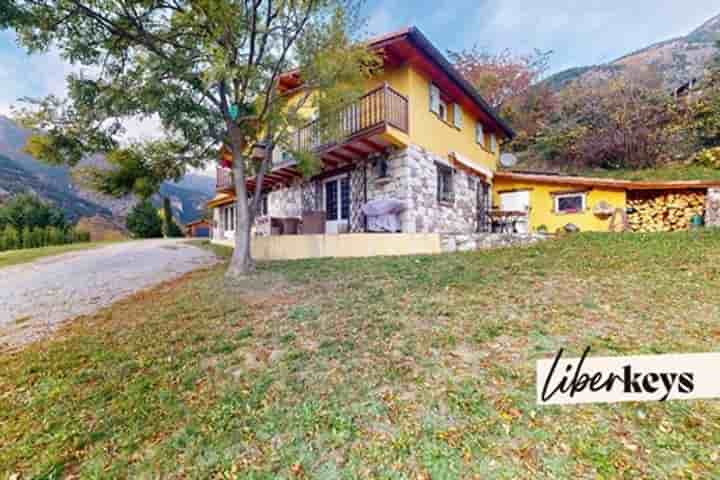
(224, 179)
(383, 106)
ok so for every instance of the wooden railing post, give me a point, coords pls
(386, 102)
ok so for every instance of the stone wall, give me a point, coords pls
(712, 207)
(412, 179)
(286, 202)
(427, 213)
(453, 242)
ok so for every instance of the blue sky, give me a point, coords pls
(579, 32)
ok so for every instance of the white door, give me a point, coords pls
(517, 202)
(337, 204)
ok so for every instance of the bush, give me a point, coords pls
(55, 236)
(81, 236)
(10, 238)
(28, 211)
(27, 239)
(144, 221)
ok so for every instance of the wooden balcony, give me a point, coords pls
(354, 132)
(378, 109)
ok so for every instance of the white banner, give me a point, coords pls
(642, 378)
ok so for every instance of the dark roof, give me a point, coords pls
(421, 41)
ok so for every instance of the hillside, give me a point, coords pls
(19, 172)
(677, 60)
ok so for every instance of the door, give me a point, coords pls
(518, 201)
(483, 203)
(337, 204)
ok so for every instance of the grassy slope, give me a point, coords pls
(666, 173)
(15, 257)
(414, 367)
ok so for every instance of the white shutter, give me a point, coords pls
(457, 110)
(479, 134)
(434, 99)
(493, 143)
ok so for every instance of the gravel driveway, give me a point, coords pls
(36, 297)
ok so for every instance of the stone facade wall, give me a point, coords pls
(286, 202)
(450, 242)
(412, 179)
(427, 214)
(712, 207)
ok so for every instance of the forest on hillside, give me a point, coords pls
(627, 119)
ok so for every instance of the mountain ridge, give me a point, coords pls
(677, 59)
(20, 172)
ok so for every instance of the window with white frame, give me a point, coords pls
(457, 115)
(434, 99)
(437, 104)
(493, 143)
(228, 218)
(479, 134)
(575, 202)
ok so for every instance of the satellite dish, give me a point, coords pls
(508, 160)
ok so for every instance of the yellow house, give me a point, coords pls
(415, 156)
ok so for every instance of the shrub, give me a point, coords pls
(28, 211)
(11, 238)
(27, 240)
(38, 238)
(144, 221)
(82, 236)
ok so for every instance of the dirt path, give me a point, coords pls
(36, 297)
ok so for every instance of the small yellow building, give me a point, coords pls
(551, 202)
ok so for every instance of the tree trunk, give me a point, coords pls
(242, 262)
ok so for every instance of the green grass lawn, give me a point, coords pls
(15, 257)
(413, 367)
(665, 173)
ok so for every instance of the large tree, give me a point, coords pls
(511, 83)
(208, 70)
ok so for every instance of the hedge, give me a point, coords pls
(14, 239)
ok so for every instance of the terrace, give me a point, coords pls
(371, 124)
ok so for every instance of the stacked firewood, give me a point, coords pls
(665, 212)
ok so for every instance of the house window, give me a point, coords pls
(471, 183)
(457, 116)
(437, 104)
(434, 99)
(381, 168)
(264, 205)
(228, 218)
(479, 134)
(493, 143)
(443, 112)
(445, 192)
(570, 203)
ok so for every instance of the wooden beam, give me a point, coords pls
(375, 146)
(343, 158)
(356, 151)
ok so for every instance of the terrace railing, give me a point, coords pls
(382, 106)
